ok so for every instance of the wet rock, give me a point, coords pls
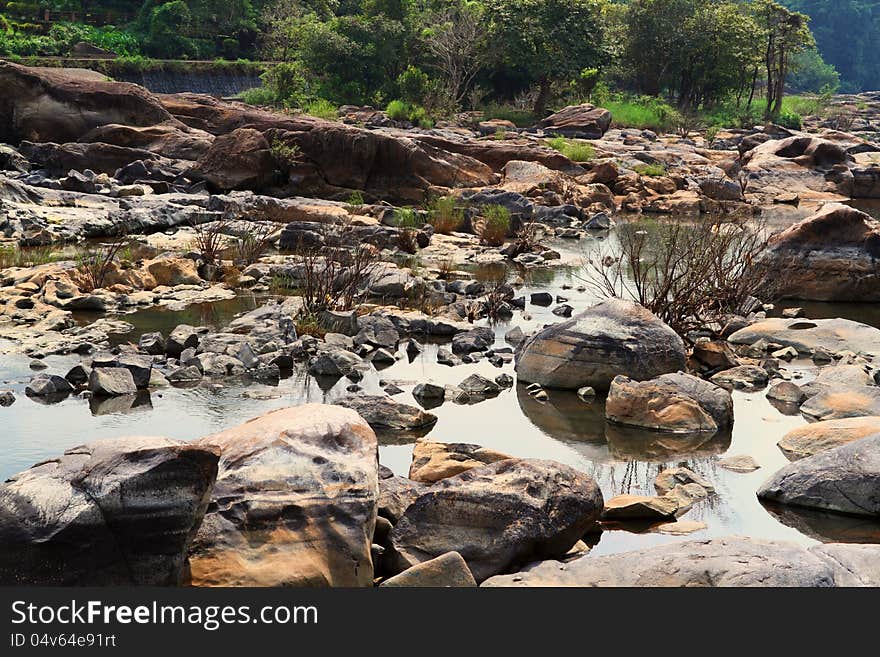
(563, 311)
(429, 392)
(112, 382)
(639, 507)
(378, 332)
(383, 413)
(413, 348)
(446, 357)
(541, 299)
(7, 398)
(742, 464)
(141, 368)
(748, 377)
(498, 516)
(435, 461)
(294, 504)
(334, 362)
(514, 336)
(47, 385)
(505, 380)
(338, 321)
(478, 339)
(78, 374)
(587, 394)
(447, 570)
(715, 355)
(672, 402)
(111, 513)
(614, 337)
(477, 386)
(844, 479)
(185, 375)
(721, 562)
(599, 221)
(668, 479)
(821, 436)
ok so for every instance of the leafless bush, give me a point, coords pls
(688, 274)
(211, 240)
(254, 244)
(96, 264)
(333, 276)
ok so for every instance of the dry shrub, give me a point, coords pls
(254, 245)
(444, 216)
(211, 240)
(690, 275)
(96, 264)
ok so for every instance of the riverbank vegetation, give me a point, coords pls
(663, 65)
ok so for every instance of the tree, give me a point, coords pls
(552, 40)
(787, 33)
(456, 43)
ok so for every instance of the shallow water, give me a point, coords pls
(563, 429)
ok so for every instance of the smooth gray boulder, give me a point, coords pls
(811, 335)
(721, 562)
(112, 382)
(498, 516)
(845, 479)
(447, 570)
(47, 385)
(383, 413)
(115, 512)
(612, 338)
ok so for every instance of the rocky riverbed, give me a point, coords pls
(479, 411)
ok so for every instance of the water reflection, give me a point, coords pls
(827, 527)
(121, 405)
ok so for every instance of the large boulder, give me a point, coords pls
(580, 121)
(679, 402)
(383, 413)
(612, 338)
(731, 561)
(57, 105)
(833, 255)
(116, 512)
(841, 403)
(240, 160)
(845, 479)
(295, 502)
(821, 436)
(499, 516)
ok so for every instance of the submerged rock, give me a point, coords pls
(719, 562)
(499, 516)
(610, 339)
(295, 502)
(110, 513)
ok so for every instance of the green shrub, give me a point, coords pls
(575, 151)
(496, 225)
(413, 84)
(321, 108)
(642, 113)
(652, 170)
(444, 216)
(258, 96)
(407, 218)
(519, 118)
(287, 84)
(397, 110)
(790, 120)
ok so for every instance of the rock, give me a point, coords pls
(478, 339)
(47, 385)
(7, 398)
(184, 375)
(429, 392)
(112, 382)
(808, 336)
(614, 337)
(541, 299)
(599, 221)
(668, 479)
(378, 332)
(672, 402)
(113, 513)
(719, 562)
(340, 321)
(396, 494)
(578, 121)
(295, 502)
(334, 362)
(829, 256)
(413, 348)
(721, 190)
(505, 380)
(152, 344)
(742, 464)
(750, 377)
(715, 355)
(563, 311)
(844, 479)
(842, 403)
(447, 570)
(787, 393)
(435, 461)
(241, 159)
(174, 271)
(141, 368)
(477, 386)
(587, 394)
(446, 357)
(498, 516)
(821, 436)
(514, 336)
(182, 337)
(639, 507)
(383, 413)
